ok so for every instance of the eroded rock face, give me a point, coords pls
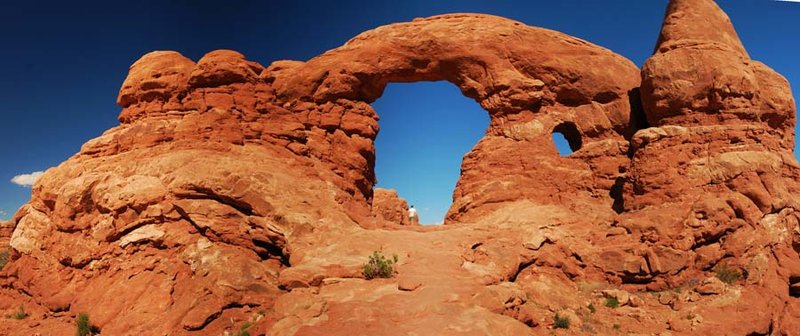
(6, 230)
(389, 206)
(712, 184)
(234, 193)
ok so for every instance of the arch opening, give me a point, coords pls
(567, 138)
(426, 128)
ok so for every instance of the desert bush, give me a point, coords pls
(727, 275)
(379, 266)
(20, 314)
(560, 322)
(592, 309)
(4, 255)
(83, 326)
(612, 302)
(244, 329)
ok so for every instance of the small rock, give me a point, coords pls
(622, 296)
(408, 284)
(635, 301)
(679, 324)
(711, 286)
(667, 298)
(535, 241)
(148, 232)
(616, 231)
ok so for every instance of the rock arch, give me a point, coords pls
(528, 79)
(247, 173)
(228, 187)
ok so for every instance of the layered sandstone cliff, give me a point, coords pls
(233, 193)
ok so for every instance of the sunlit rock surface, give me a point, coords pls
(234, 194)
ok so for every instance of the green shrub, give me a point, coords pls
(3, 258)
(612, 302)
(379, 266)
(728, 275)
(20, 314)
(592, 309)
(83, 326)
(560, 322)
(244, 330)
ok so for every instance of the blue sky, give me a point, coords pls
(64, 61)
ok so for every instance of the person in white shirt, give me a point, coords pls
(412, 215)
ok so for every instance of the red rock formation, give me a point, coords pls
(388, 206)
(711, 187)
(700, 74)
(233, 193)
(6, 229)
(527, 88)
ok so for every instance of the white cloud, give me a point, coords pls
(27, 180)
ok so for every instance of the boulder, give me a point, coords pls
(387, 205)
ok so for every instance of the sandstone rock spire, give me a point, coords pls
(701, 74)
(715, 175)
(697, 22)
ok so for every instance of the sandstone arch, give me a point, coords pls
(229, 188)
(173, 191)
(426, 129)
(528, 79)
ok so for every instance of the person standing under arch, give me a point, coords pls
(413, 217)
